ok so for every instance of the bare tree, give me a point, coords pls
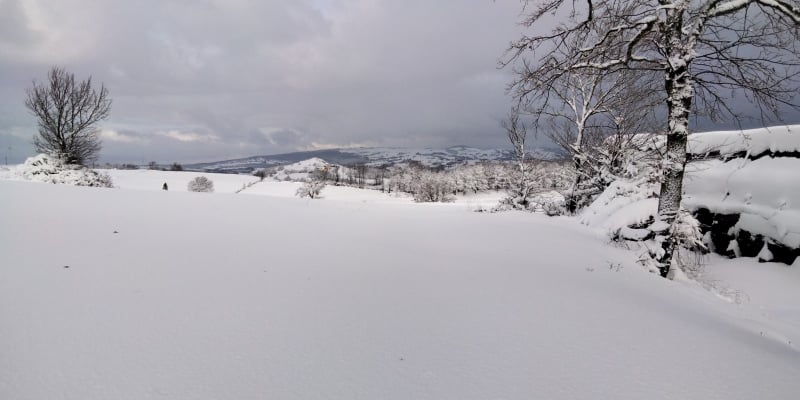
(583, 108)
(517, 134)
(312, 187)
(704, 49)
(67, 113)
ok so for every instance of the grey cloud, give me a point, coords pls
(257, 77)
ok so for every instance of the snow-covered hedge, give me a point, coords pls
(44, 168)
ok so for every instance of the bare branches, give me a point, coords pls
(67, 114)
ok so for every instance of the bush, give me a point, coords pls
(201, 184)
(260, 173)
(311, 189)
(44, 168)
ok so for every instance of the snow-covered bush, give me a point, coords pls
(201, 184)
(44, 168)
(311, 189)
(551, 203)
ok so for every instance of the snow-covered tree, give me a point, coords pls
(313, 186)
(517, 133)
(201, 184)
(311, 189)
(704, 49)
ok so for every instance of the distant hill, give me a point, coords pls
(374, 156)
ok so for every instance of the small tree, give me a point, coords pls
(67, 113)
(312, 187)
(261, 173)
(517, 133)
(201, 184)
(176, 167)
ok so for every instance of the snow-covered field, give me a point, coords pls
(145, 294)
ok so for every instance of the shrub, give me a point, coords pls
(201, 184)
(311, 189)
(44, 168)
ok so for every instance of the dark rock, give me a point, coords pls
(782, 253)
(720, 225)
(749, 245)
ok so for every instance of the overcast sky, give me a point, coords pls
(197, 80)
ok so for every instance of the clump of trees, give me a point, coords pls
(67, 113)
(428, 184)
(201, 184)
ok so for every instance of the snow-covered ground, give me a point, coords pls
(246, 184)
(137, 294)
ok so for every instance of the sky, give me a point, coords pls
(213, 79)
(205, 80)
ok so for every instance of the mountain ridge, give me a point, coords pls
(374, 156)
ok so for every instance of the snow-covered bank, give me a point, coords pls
(748, 190)
(195, 296)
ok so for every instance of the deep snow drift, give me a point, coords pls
(126, 294)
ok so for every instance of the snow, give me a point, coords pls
(622, 204)
(761, 187)
(765, 289)
(47, 169)
(184, 296)
(764, 191)
(251, 185)
(300, 170)
(176, 181)
(752, 141)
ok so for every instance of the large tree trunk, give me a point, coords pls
(572, 198)
(680, 92)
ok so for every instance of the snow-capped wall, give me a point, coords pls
(751, 143)
(752, 179)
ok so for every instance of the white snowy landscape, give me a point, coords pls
(250, 292)
(410, 200)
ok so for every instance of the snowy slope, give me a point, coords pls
(300, 170)
(201, 296)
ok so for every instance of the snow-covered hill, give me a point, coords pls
(378, 156)
(134, 294)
